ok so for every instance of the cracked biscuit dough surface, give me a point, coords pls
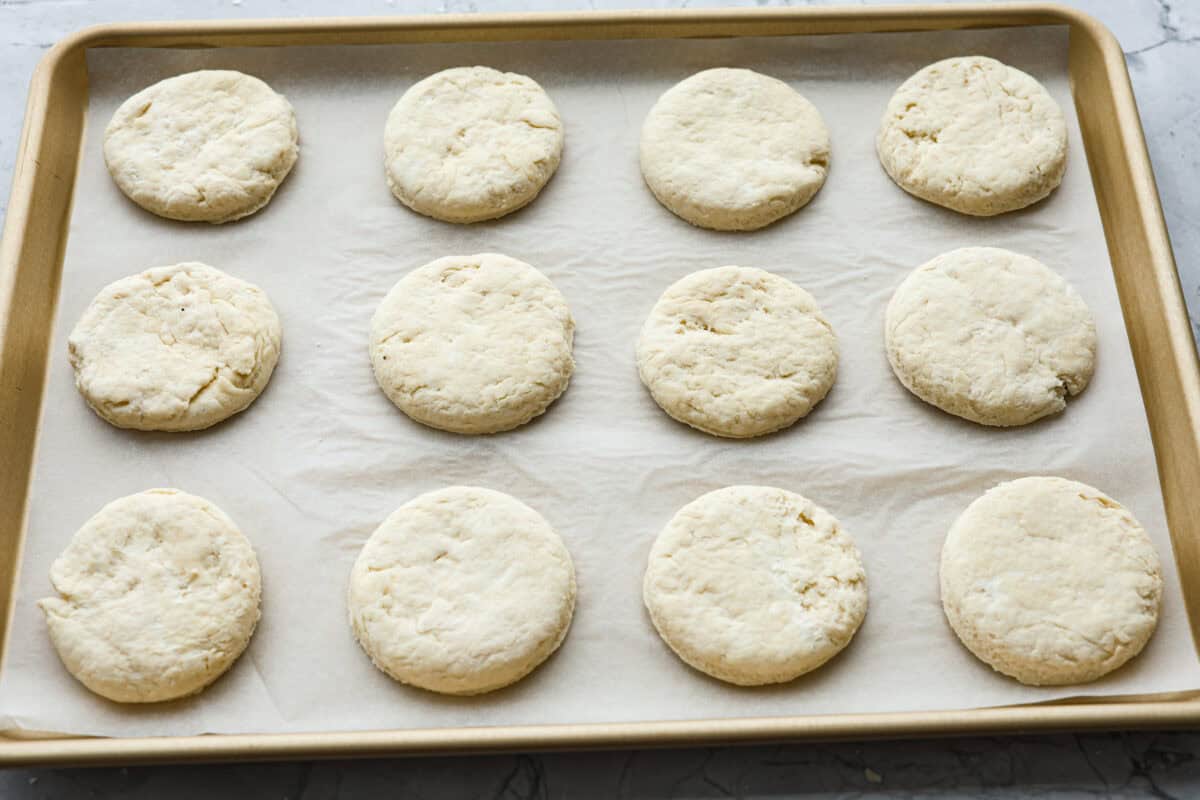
(991, 336)
(462, 590)
(207, 146)
(732, 149)
(473, 344)
(737, 352)
(175, 348)
(755, 585)
(470, 144)
(158, 596)
(974, 135)
(1050, 581)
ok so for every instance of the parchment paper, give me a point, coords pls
(322, 457)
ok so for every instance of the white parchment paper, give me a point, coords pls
(322, 457)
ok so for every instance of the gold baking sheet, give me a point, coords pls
(324, 456)
(1162, 298)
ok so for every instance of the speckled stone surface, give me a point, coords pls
(1162, 41)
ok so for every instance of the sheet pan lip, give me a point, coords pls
(1090, 714)
(112, 34)
(89, 751)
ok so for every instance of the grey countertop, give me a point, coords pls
(1162, 42)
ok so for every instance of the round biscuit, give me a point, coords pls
(473, 344)
(1050, 581)
(755, 585)
(991, 336)
(731, 149)
(737, 352)
(462, 590)
(175, 348)
(470, 144)
(158, 596)
(207, 146)
(974, 135)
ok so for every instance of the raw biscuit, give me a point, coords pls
(207, 146)
(473, 344)
(974, 135)
(755, 585)
(731, 149)
(175, 348)
(462, 591)
(470, 144)
(158, 596)
(737, 352)
(1050, 581)
(991, 336)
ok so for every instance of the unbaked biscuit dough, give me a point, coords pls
(731, 149)
(462, 590)
(737, 352)
(175, 348)
(755, 585)
(991, 336)
(1050, 581)
(207, 146)
(974, 135)
(158, 595)
(473, 344)
(471, 144)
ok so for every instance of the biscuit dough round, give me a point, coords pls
(734, 150)
(1050, 581)
(755, 585)
(471, 143)
(175, 348)
(473, 344)
(207, 146)
(158, 596)
(991, 336)
(737, 352)
(462, 590)
(974, 135)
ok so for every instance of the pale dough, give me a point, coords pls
(755, 585)
(473, 344)
(737, 352)
(175, 348)
(462, 591)
(991, 336)
(207, 146)
(974, 135)
(159, 595)
(731, 149)
(1050, 581)
(470, 144)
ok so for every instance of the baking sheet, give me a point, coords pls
(322, 457)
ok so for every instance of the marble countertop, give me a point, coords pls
(1160, 40)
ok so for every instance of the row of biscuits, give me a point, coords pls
(483, 344)
(465, 590)
(726, 149)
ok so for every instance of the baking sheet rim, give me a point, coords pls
(1179, 710)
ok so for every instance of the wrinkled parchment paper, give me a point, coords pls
(322, 457)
